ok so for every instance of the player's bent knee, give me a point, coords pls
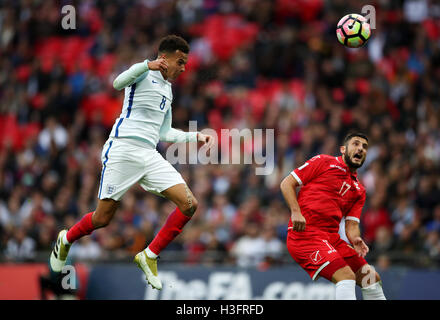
(101, 221)
(344, 273)
(190, 207)
(195, 204)
(102, 218)
(366, 276)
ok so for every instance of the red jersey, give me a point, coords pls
(329, 192)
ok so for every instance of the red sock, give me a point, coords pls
(81, 228)
(171, 229)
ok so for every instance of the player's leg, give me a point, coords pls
(99, 218)
(122, 166)
(366, 277)
(319, 259)
(163, 179)
(370, 282)
(186, 204)
(345, 281)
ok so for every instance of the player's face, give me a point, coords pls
(176, 64)
(355, 152)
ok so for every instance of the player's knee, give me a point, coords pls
(344, 273)
(195, 204)
(190, 207)
(102, 219)
(366, 276)
(349, 275)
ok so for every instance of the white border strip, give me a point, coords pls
(296, 178)
(352, 218)
(320, 269)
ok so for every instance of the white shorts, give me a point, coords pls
(126, 162)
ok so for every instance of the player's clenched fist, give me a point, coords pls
(298, 221)
(159, 64)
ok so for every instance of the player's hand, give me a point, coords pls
(360, 247)
(298, 221)
(205, 138)
(160, 64)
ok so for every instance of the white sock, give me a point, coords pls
(66, 243)
(373, 292)
(150, 254)
(346, 290)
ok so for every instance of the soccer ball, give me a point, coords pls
(353, 30)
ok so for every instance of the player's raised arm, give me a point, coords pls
(288, 188)
(137, 72)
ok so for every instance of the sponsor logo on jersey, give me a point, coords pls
(338, 167)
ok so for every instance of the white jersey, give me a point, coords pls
(146, 112)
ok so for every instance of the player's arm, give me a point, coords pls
(137, 72)
(288, 189)
(353, 233)
(169, 134)
(298, 177)
(352, 229)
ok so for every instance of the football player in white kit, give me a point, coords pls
(129, 156)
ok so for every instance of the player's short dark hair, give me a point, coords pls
(354, 134)
(171, 43)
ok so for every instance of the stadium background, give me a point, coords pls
(253, 64)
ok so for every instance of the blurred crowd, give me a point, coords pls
(253, 64)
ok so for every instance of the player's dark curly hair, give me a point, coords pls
(171, 43)
(354, 134)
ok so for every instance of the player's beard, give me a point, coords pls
(351, 164)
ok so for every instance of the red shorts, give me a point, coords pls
(321, 253)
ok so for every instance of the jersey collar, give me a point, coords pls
(160, 76)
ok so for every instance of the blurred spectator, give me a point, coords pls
(402, 215)
(219, 217)
(52, 136)
(434, 224)
(383, 262)
(383, 240)
(215, 250)
(248, 250)
(432, 245)
(85, 250)
(193, 245)
(427, 196)
(376, 216)
(272, 248)
(20, 247)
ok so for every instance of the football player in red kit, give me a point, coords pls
(330, 190)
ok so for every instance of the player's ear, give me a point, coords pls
(342, 149)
